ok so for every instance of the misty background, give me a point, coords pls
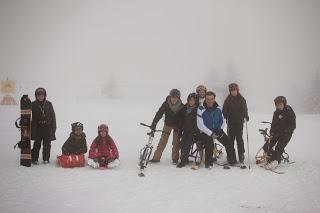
(122, 49)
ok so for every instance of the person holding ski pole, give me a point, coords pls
(43, 126)
(171, 108)
(210, 121)
(282, 127)
(235, 111)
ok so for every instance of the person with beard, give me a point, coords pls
(235, 111)
(188, 129)
(282, 128)
(171, 109)
(43, 126)
(210, 121)
(76, 144)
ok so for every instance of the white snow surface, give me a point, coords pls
(165, 188)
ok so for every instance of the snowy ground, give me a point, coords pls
(46, 188)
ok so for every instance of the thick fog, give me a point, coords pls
(141, 49)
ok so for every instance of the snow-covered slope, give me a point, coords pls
(46, 188)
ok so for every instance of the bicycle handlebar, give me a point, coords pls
(153, 131)
(265, 122)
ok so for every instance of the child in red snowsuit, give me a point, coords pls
(103, 151)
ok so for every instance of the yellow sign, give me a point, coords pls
(7, 87)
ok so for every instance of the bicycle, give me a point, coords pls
(146, 151)
(262, 156)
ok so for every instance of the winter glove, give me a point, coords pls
(214, 136)
(271, 134)
(247, 118)
(217, 133)
(153, 127)
(195, 137)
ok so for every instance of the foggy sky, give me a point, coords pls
(273, 46)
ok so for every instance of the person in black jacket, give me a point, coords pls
(188, 128)
(171, 109)
(76, 143)
(43, 126)
(282, 127)
(235, 111)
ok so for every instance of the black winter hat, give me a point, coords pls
(193, 95)
(75, 125)
(175, 93)
(280, 99)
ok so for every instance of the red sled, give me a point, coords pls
(70, 161)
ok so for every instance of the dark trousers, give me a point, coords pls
(224, 140)
(43, 135)
(235, 132)
(280, 141)
(186, 142)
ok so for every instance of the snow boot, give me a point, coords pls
(93, 164)
(272, 165)
(154, 161)
(113, 164)
(181, 164)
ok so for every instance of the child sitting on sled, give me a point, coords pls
(74, 148)
(76, 143)
(103, 152)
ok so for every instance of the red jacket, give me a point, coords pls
(103, 147)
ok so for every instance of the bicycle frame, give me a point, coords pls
(146, 151)
(264, 157)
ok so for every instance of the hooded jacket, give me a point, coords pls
(75, 144)
(171, 112)
(43, 115)
(103, 147)
(235, 109)
(283, 121)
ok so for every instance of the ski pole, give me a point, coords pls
(247, 143)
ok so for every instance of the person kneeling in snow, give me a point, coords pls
(282, 127)
(76, 144)
(103, 151)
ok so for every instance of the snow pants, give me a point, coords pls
(208, 145)
(43, 136)
(186, 141)
(235, 132)
(163, 142)
(280, 141)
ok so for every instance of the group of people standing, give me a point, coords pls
(201, 120)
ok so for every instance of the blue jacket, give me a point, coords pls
(210, 119)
